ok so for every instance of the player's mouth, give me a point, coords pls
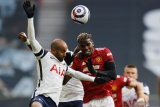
(87, 53)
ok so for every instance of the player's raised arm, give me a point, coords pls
(29, 10)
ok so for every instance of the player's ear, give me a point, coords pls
(53, 51)
(92, 43)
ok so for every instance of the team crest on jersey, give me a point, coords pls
(114, 88)
(98, 59)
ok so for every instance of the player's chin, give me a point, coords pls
(60, 59)
(87, 53)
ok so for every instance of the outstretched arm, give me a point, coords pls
(29, 10)
(81, 76)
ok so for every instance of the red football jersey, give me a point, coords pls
(93, 90)
(117, 86)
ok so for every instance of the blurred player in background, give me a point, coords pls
(51, 66)
(95, 62)
(119, 83)
(129, 96)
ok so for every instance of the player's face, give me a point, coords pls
(131, 73)
(60, 51)
(86, 46)
(60, 54)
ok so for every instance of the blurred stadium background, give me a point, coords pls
(130, 28)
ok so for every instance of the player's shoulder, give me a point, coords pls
(101, 48)
(121, 78)
(42, 53)
(104, 50)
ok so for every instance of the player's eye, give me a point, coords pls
(82, 46)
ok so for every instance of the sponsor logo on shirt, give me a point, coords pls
(60, 71)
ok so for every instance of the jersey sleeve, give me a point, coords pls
(79, 75)
(41, 53)
(108, 54)
(122, 80)
(36, 47)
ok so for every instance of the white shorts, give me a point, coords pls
(103, 102)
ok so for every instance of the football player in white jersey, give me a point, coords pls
(68, 97)
(129, 95)
(51, 66)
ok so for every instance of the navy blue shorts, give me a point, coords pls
(45, 101)
(77, 103)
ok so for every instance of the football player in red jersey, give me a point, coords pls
(119, 83)
(95, 61)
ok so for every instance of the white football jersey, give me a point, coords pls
(50, 70)
(129, 96)
(72, 91)
(50, 76)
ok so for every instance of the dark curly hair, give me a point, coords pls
(84, 36)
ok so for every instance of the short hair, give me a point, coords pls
(84, 36)
(131, 66)
(56, 43)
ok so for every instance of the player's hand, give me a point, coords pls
(69, 58)
(29, 9)
(101, 80)
(90, 66)
(140, 103)
(22, 36)
(141, 100)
